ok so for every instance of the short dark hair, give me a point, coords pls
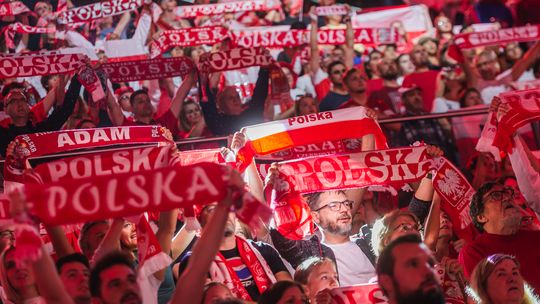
(477, 204)
(385, 263)
(333, 64)
(274, 293)
(72, 258)
(45, 81)
(134, 94)
(14, 85)
(313, 198)
(108, 261)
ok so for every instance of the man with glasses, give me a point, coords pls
(332, 213)
(489, 78)
(496, 215)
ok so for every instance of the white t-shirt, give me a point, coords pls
(352, 264)
(443, 105)
(491, 88)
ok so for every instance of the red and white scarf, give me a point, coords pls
(187, 37)
(127, 194)
(234, 59)
(191, 11)
(20, 28)
(148, 69)
(97, 11)
(394, 167)
(37, 144)
(39, 64)
(496, 37)
(364, 293)
(496, 135)
(151, 257)
(331, 10)
(279, 135)
(12, 8)
(221, 271)
(280, 38)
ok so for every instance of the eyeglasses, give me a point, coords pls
(498, 195)
(336, 206)
(7, 234)
(404, 227)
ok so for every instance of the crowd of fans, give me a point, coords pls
(362, 236)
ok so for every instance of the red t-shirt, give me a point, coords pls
(525, 246)
(167, 120)
(427, 81)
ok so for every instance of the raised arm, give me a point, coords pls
(525, 62)
(182, 93)
(315, 59)
(349, 43)
(114, 110)
(164, 235)
(60, 243)
(111, 240)
(62, 113)
(191, 283)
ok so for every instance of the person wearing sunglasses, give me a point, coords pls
(495, 213)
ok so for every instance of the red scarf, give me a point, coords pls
(394, 167)
(502, 36)
(364, 293)
(28, 29)
(289, 38)
(126, 194)
(37, 144)
(255, 266)
(280, 135)
(148, 69)
(234, 59)
(12, 8)
(496, 135)
(191, 11)
(97, 11)
(39, 64)
(187, 37)
(331, 10)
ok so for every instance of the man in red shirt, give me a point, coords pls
(494, 213)
(423, 77)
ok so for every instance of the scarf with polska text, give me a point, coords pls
(270, 137)
(497, 133)
(97, 11)
(222, 271)
(339, 10)
(20, 28)
(191, 11)
(395, 167)
(273, 38)
(496, 37)
(148, 69)
(234, 59)
(187, 37)
(52, 63)
(38, 144)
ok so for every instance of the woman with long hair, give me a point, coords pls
(18, 280)
(497, 280)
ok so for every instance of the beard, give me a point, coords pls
(82, 300)
(390, 75)
(337, 228)
(130, 296)
(432, 296)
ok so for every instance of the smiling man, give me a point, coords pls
(495, 213)
(331, 212)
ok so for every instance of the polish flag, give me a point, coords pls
(279, 135)
(414, 19)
